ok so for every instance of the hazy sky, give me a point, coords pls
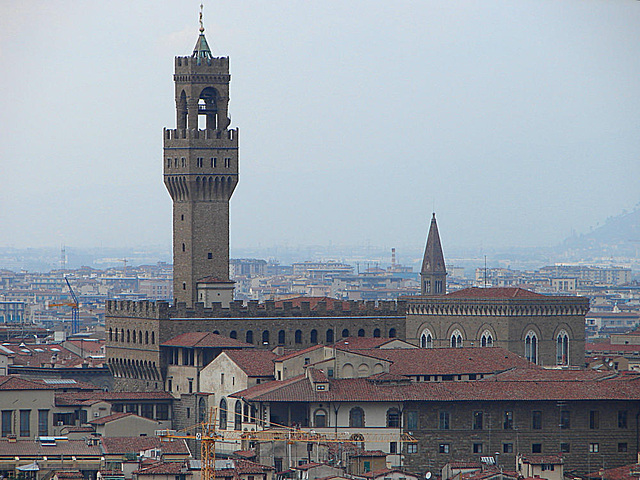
(518, 121)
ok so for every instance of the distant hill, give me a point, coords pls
(620, 236)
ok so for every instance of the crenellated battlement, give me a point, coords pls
(162, 310)
(190, 65)
(191, 137)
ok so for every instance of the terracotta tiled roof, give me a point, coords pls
(534, 459)
(16, 383)
(122, 445)
(297, 353)
(161, 468)
(553, 375)
(317, 376)
(74, 429)
(488, 474)
(68, 474)
(384, 471)
(205, 340)
(110, 418)
(298, 389)
(29, 448)
(245, 467)
(498, 293)
(449, 361)
(359, 343)
(255, 363)
(37, 355)
(626, 472)
(94, 346)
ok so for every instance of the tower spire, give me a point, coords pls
(201, 51)
(434, 271)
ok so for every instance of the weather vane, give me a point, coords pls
(201, 25)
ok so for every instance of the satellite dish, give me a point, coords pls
(427, 475)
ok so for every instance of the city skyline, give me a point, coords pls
(514, 122)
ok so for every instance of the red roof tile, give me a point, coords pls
(94, 346)
(359, 343)
(68, 474)
(110, 418)
(29, 448)
(16, 383)
(122, 445)
(33, 355)
(626, 472)
(162, 468)
(449, 361)
(298, 389)
(498, 293)
(205, 340)
(535, 459)
(297, 353)
(255, 363)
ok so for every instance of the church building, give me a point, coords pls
(547, 330)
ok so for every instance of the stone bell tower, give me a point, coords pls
(434, 272)
(201, 173)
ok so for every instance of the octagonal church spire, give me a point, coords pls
(434, 271)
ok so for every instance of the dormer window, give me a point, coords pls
(321, 387)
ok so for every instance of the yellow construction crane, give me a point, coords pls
(209, 434)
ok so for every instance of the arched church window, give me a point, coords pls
(562, 348)
(223, 414)
(361, 332)
(486, 340)
(345, 333)
(298, 336)
(281, 337)
(313, 337)
(531, 346)
(392, 333)
(456, 339)
(426, 339)
(237, 424)
(376, 333)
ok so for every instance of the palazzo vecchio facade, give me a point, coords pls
(201, 171)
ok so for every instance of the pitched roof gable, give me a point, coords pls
(255, 363)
